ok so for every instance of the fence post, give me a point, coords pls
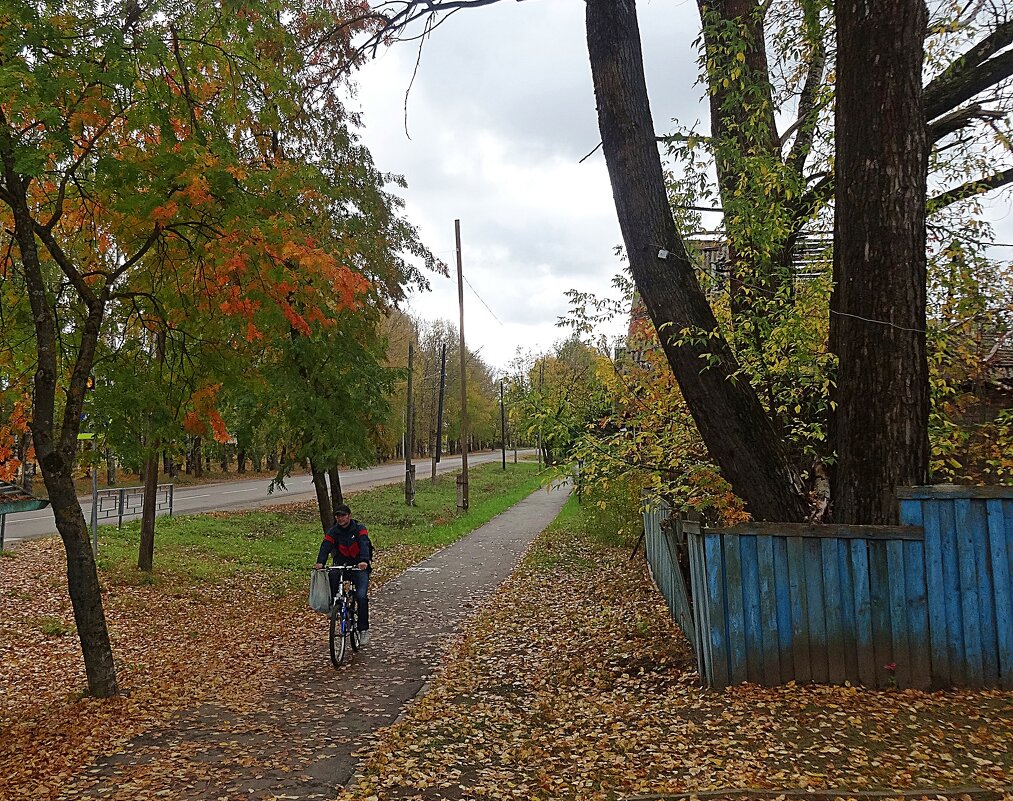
(119, 524)
(171, 490)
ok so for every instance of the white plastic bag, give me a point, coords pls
(320, 592)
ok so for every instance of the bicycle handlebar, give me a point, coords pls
(339, 567)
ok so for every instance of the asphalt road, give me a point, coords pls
(245, 494)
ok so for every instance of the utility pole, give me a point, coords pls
(502, 422)
(409, 468)
(439, 413)
(462, 480)
(541, 379)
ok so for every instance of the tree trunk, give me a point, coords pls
(241, 460)
(55, 447)
(877, 323)
(334, 478)
(82, 583)
(744, 135)
(146, 551)
(198, 460)
(110, 468)
(323, 501)
(727, 412)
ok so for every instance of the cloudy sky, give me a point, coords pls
(500, 114)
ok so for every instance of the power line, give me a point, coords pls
(484, 303)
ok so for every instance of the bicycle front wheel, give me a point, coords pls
(338, 627)
(353, 624)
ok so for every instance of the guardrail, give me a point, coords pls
(125, 501)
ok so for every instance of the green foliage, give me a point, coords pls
(971, 321)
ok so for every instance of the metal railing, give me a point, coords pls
(126, 501)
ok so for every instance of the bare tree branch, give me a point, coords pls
(971, 189)
(809, 109)
(960, 119)
(393, 17)
(974, 72)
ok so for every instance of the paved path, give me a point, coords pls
(301, 744)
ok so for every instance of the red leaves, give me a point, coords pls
(10, 431)
(171, 657)
(203, 414)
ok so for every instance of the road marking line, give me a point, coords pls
(231, 492)
(187, 497)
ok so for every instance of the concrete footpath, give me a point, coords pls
(301, 742)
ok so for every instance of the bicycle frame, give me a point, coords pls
(343, 615)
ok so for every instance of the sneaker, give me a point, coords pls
(363, 637)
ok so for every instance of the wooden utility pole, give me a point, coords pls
(502, 422)
(462, 480)
(409, 468)
(439, 413)
(541, 379)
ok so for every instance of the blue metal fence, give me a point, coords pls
(925, 604)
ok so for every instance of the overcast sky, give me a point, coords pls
(500, 114)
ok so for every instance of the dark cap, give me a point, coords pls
(342, 509)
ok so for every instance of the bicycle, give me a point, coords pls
(344, 615)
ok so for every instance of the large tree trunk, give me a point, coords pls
(877, 323)
(743, 135)
(727, 412)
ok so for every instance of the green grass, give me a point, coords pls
(578, 522)
(214, 547)
(52, 626)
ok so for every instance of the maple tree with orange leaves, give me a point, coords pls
(178, 180)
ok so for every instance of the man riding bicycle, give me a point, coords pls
(347, 543)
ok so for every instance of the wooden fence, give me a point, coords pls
(664, 539)
(925, 604)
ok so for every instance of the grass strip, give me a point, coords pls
(281, 542)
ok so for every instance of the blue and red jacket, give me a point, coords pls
(346, 545)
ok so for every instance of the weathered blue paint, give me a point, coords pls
(766, 579)
(938, 640)
(662, 548)
(784, 622)
(799, 610)
(1000, 527)
(916, 601)
(951, 598)
(924, 607)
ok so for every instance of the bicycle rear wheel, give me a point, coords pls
(338, 629)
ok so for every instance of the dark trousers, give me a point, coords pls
(360, 578)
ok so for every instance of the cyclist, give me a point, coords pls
(347, 543)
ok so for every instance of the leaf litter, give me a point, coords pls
(571, 683)
(574, 683)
